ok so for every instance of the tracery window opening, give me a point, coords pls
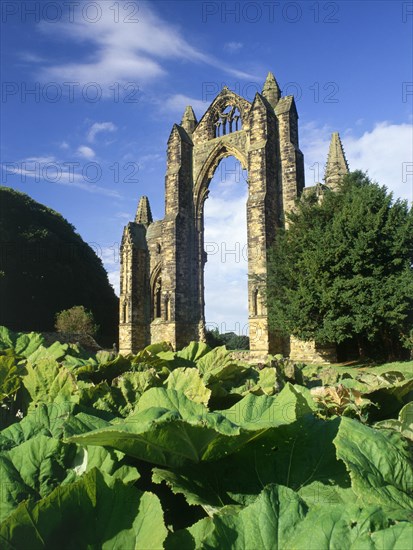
(229, 120)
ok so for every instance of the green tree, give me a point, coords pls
(213, 338)
(76, 319)
(46, 267)
(228, 339)
(343, 269)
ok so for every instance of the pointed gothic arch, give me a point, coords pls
(263, 136)
(201, 185)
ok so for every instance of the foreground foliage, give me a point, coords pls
(195, 450)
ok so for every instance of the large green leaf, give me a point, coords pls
(219, 365)
(279, 519)
(379, 463)
(35, 466)
(46, 419)
(194, 351)
(32, 469)
(189, 382)
(267, 382)
(258, 412)
(47, 382)
(7, 338)
(27, 344)
(10, 377)
(101, 397)
(95, 512)
(186, 357)
(55, 352)
(348, 526)
(84, 422)
(169, 429)
(107, 371)
(131, 386)
(396, 537)
(190, 538)
(53, 420)
(151, 357)
(105, 460)
(404, 424)
(276, 457)
(23, 344)
(266, 524)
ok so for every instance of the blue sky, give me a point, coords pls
(90, 91)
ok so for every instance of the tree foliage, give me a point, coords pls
(47, 268)
(343, 269)
(229, 339)
(76, 319)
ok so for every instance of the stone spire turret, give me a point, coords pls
(337, 165)
(271, 91)
(143, 213)
(189, 120)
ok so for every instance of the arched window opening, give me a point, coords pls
(255, 301)
(157, 299)
(225, 278)
(126, 272)
(124, 311)
(228, 121)
(166, 307)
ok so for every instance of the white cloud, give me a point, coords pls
(51, 170)
(86, 152)
(385, 152)
(233, 47)
(30, 57)
(114, 280)
(111, 262)
(123, 52)
(64, 145)
(37, 160)
(98, 127)
(178, 102)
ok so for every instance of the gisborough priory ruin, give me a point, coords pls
(162, 262)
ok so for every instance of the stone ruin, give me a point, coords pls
(162, 262)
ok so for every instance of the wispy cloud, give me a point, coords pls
(176, 104)
(233, 47)
(86, 152)
(30, 57)
(51, 170)
(99, 127)
(132, 52)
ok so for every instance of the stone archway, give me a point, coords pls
(201, 193)
(263, 136)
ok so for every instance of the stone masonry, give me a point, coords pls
(162, 262)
